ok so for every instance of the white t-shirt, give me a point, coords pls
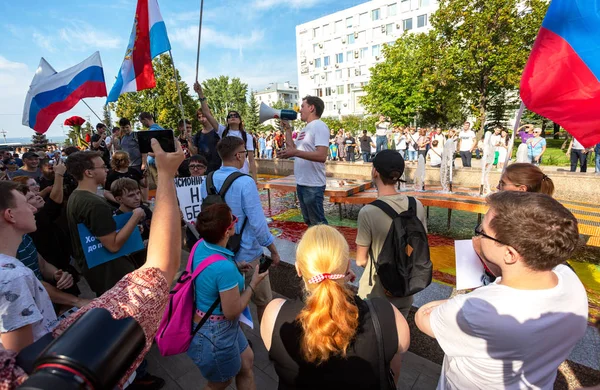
(577, 145)
(249, 144)
(23, 299)
(311, 173)
(466, 140)
(400, 140)
(435, 156)
(382, 128)
(495, 139)
(498, 337)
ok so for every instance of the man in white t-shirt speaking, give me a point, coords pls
(466, 144)
(310, 152)
(515, 332)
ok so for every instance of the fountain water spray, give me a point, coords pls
(420, 174)
(446, 167)
(487, 162)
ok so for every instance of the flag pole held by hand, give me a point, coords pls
(199, 36)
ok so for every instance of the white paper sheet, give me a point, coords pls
(469, 269)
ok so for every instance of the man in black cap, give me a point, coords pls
(31, 167)
(374, 225)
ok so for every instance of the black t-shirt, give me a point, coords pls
(102, 148)
(358, 370)
(132, 173)
(350, 144)
(52, 242)
(207, 146)
(184, 169)
(365, 144)
(69, 184)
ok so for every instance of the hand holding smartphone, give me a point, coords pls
(165, 138)
(265, 263)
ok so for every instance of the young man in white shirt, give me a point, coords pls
(310, 152)
(515, 332)
(382, 129)
(466, 144)
(26, 312)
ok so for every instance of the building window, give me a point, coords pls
(339, 58)
(329, 106)
(338, 27)
(404, 5)
(338, 74)
(375, 50)
(319, 92)
(362, 19)
(392, 9)
(317, 62)
(362, 37)
(326, 61)
(389, 28)
(364, 52)
(315, 48)
(421, 20)
(349, 86)
(376, 32)
(375, 14)
(328, 91)
(407, 24)
(423, 3)
(363, 70)
(349, 55)
(316, 32)
(340, 89)
(349, 22)
(326, 31)
(350, 74)
(350, 38)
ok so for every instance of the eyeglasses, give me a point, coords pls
(479, 232)
(195, 166)
(100, 167)
(233, 116)
(235, 220)
(243, 151)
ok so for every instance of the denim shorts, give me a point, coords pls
(216, 349)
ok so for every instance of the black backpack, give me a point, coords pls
(403, 265)
(214, 197)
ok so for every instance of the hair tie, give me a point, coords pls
(545, 177)
(319, 278)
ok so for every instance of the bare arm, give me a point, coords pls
(233, 303)
(268, 321)
(57, 193)
(17, 339)
(62, 298)
(205, 109)
(144, 161)
(423, 317)
(362, 255)
(114, 241)
(164, 248)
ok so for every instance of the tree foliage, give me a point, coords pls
(107, 116)
(162, 101)
(39, 141)
(251, 120)
(355, 124)
(223, 95)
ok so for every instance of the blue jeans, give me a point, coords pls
(412, 155)
(577, 155)
(269, 153)
(217, 348)
(311, 204)
(365, 156)
(597, 163)
(380, 143)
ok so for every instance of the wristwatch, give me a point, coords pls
(202, 99)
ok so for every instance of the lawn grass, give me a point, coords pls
(553, 155)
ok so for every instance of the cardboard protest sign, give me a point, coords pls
(96, 254)
(188, 193)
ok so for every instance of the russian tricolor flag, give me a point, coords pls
(561, 80)
(148, 39)
(52, 93)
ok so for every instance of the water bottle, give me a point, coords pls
(152, 204)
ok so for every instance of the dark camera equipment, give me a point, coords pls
(93, 353)
(165, 138)
(265, 263)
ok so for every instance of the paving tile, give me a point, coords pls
(156, 369)
(192, 380)
(408, 377)
(416, 363)
(261, 355)
(425, 382)
(177, 365)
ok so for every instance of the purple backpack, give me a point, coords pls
(175, 329)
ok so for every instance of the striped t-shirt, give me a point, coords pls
(28, 255)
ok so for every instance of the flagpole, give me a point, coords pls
(199, 37)
(178, 89)
(512, 138)
(93, 112)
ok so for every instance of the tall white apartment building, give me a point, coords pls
(274, 92)
(335, 52)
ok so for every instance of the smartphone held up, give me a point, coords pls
(166, 139)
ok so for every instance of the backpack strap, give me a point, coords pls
(210, 185)
(412, 204)
(206, 262)
(380, 350)
(386, 208)
(228, 182)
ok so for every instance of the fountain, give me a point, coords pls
(420, 174)
(446, 167)
(487, 163)
(402, 182)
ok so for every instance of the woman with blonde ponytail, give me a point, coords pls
(327, 340)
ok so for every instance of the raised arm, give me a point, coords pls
(164, 248)
(57, 193)
(205, 109)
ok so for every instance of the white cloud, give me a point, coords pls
(188, 38)
(43, 41)
(265, 4)
(7, 65)
(85, 37)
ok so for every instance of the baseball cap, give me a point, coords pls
(30, 155)
(389, 164)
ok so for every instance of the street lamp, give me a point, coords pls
(4, 132)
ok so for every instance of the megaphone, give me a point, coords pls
(267, 113)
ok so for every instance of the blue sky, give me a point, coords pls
(254, 40)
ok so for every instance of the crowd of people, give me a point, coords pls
(512, 333)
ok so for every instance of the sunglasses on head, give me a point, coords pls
(234, 115)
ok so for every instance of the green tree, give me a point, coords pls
(251, 121)
(224, 95)
(482, 46)
(107, 116)
(161, 101)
